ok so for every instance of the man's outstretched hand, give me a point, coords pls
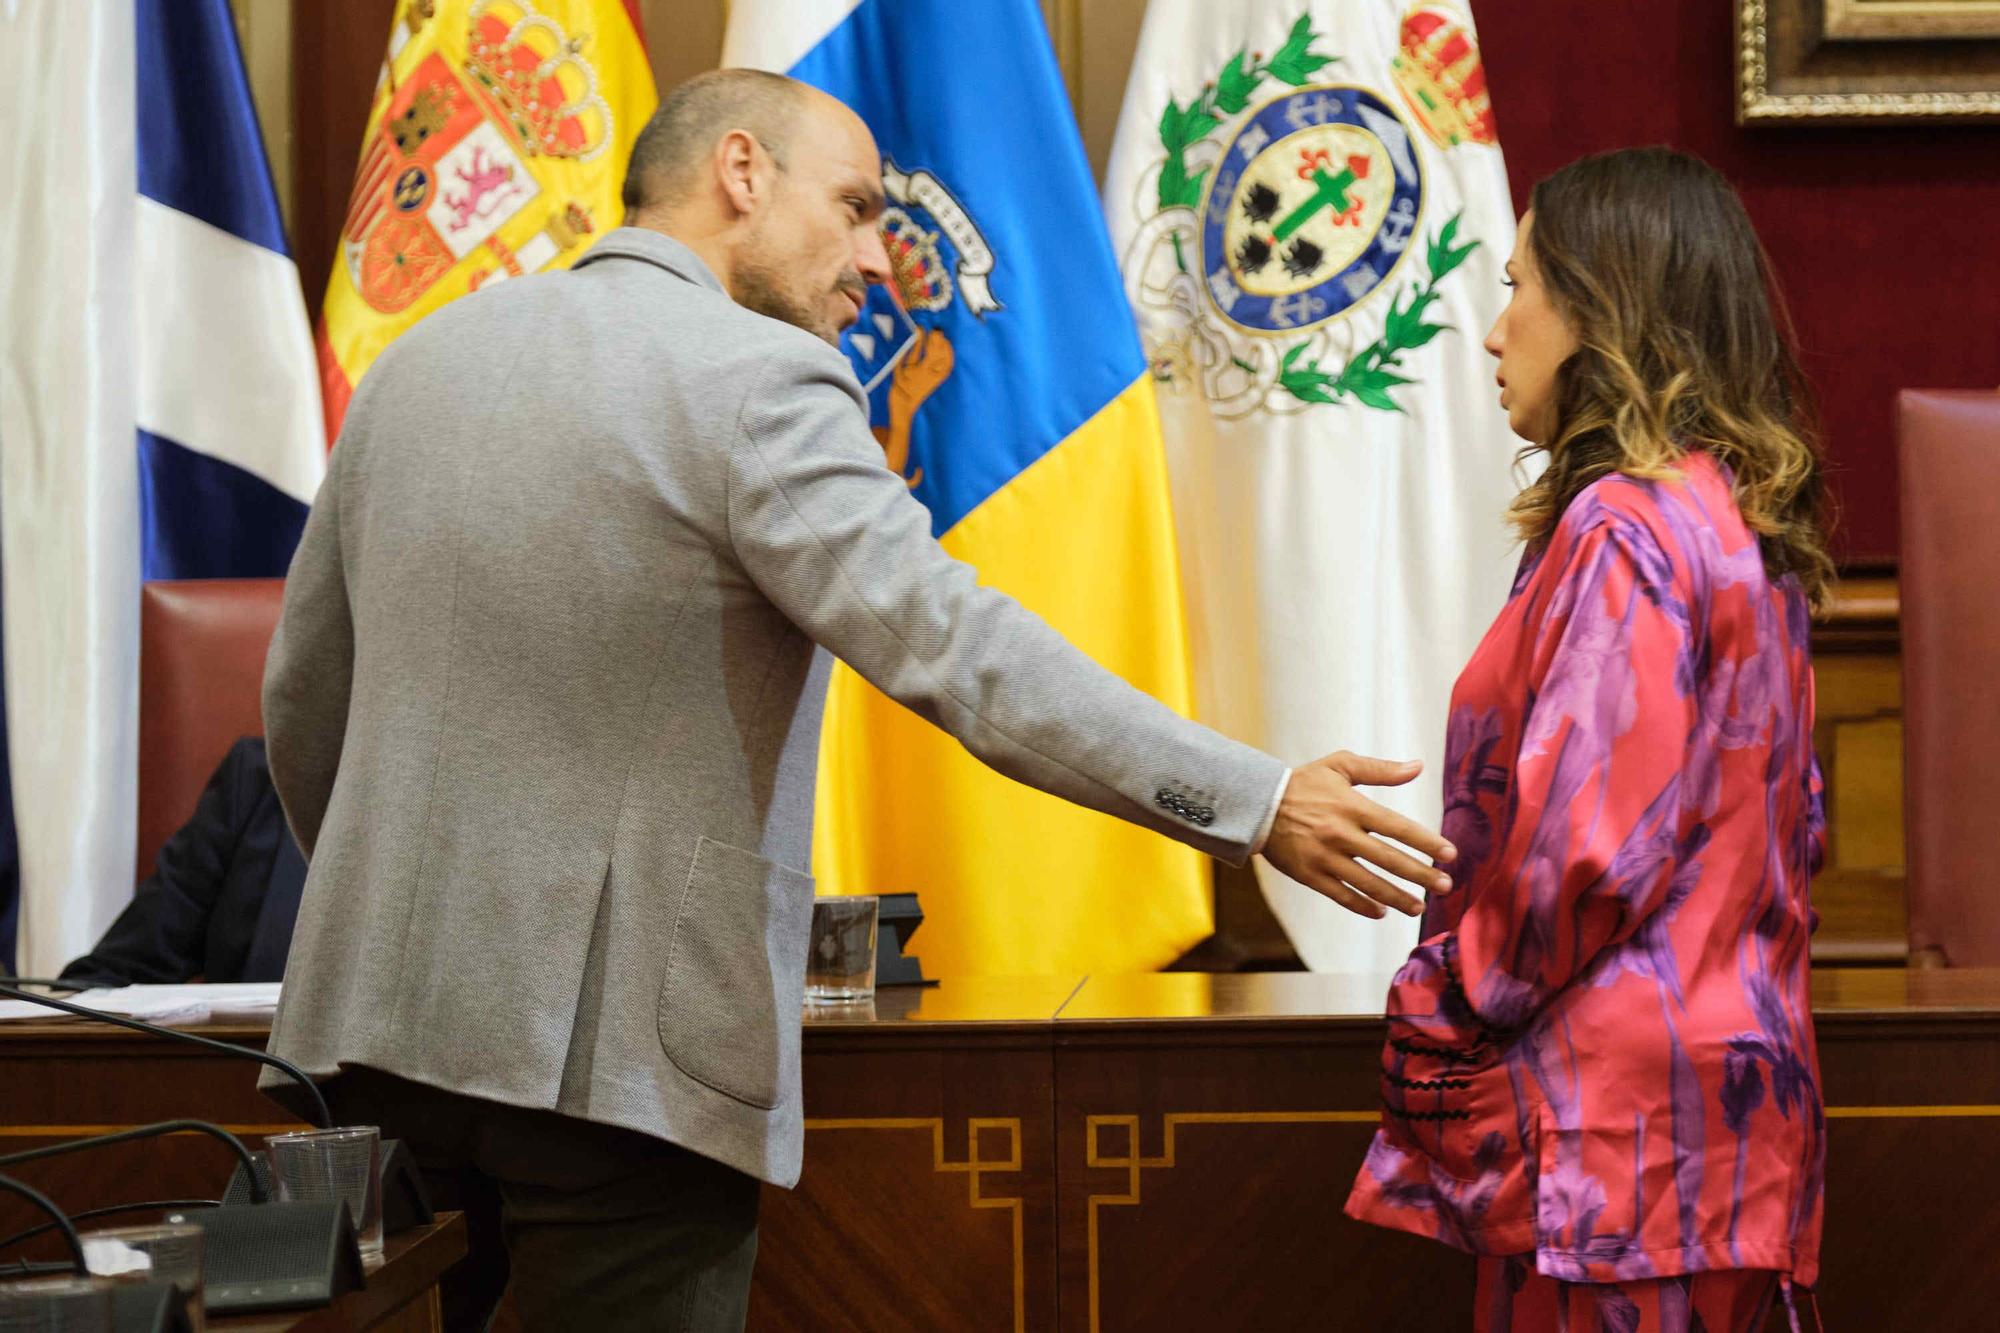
(1325, 830)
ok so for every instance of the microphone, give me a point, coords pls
(325, 1117)
(271, 1256)
(258, 1193)
(62, 1222)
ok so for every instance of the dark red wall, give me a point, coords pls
(1886, 241)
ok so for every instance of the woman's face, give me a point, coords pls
(1532, 342)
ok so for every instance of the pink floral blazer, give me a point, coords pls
(1601, 1052)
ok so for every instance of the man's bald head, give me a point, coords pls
(676, 144)
(774, 185)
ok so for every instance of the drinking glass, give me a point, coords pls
(316, 1165)
(840, 963)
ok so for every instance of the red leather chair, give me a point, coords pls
(1950, 470)
(201, 671)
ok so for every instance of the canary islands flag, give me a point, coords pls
(1006, 383)
(496, 146)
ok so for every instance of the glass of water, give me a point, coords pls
(840, 964)
(318, 1165)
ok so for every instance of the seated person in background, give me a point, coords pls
(222, 897)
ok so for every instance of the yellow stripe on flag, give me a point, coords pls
(1014, 882)
(496, 147)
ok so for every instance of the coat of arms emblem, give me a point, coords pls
(449, 165)
(899, 348)
(1287, 261)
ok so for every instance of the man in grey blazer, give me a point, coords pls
(542, 712)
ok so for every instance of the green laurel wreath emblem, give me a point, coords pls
(1369, 376)
(1182, 127)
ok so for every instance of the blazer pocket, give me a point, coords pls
(729, 1010)
(1459, 1114)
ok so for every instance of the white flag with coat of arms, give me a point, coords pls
(1310, 208)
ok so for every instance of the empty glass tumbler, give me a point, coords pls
(346, 1164)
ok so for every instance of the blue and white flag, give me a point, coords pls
(159, 405)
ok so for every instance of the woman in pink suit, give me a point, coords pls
(1601, 1075)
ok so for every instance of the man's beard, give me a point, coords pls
(759, 287)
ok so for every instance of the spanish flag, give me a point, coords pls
(1007, 386)
(496, 146)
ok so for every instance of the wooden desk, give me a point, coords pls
(401, 1295)
(1168, 1151)
(1206, 1131)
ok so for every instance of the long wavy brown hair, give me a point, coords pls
(1683, 344)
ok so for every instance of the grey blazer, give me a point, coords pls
(542, 710)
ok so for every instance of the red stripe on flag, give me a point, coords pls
(367, 199)
(334, 390)
(638, 27)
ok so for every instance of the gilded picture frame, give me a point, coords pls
(1910, 20)
(1848, 62)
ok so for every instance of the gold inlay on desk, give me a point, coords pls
(1133, 1162)
(974, 1167)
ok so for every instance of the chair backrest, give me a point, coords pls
(201, 671)
(1950, 473)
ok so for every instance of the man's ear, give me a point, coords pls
(743, 169)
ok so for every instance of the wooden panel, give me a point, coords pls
(1245, 1104)
(683, 37)
(928, 1197)
(1203, 1170)
(65, 1080)
(1906, 1246)
(1107, 34)
(1858, 733)
(264, 28)
(1172, 1151)
(336, 59)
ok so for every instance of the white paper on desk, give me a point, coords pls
(153, 1011)
(175, 1006)
(256, 999)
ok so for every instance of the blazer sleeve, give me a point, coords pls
(1591, 842)
(838, 544)
(161, 936)
(309, 673)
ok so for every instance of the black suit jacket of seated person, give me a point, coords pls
(223, 895)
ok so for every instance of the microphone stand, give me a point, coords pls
(258, 1194)
(42, 1201)
(119, 1020)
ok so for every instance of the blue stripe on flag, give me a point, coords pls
(200, 150)
(992, 124)
(206, 519)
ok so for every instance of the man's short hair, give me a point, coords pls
(696, 114)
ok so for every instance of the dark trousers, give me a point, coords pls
(580, 1225)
